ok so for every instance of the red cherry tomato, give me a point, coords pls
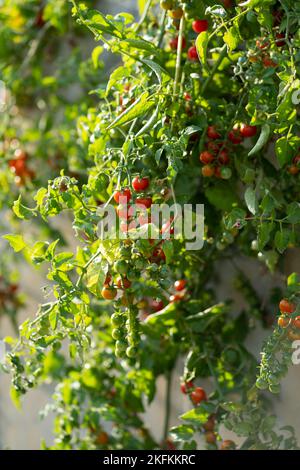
(180, 285)
(193, 54)
(199, 26)
(206, 157)
(247, 130)
(235, 136)
(122, 193)
(212, 133)
(198, 395)
(185, 386)
(286, 307)
(144, 201)
(140, 184)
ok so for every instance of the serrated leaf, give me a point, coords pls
(232, 37)
(139, 107)
(282, 238)
(182, 433)
(16, 242)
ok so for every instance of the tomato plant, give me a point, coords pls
(208, 117)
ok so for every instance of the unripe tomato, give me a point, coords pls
(166, 4)
(176, 14)
(144, 201)
(212, 133)
(248, 131)
(283, 321)
(108, 293)
(199, 26)
(210, 437)
(296, 322)
(131, 351)
(228, 445)
(207, 171)
(192, 53)
(121, 266)
(180, 285)
(225, 173)
(140, 184)
(286, 307)
(206, 157)
(198, 395)
(185, 386)
(124, 193)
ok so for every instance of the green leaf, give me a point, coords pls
(282, 239)
(16, 242)
(293, 213)
(250, 199)
(232, 37)
(182, 433)
(139, 107)
(21, 211)
(198, 415)
(168, 250)
(285, 149)
(222, 196)
(141, 5)
(97, 51)
(236, 218)
(263, 234)
(201, 45)
(53, 317)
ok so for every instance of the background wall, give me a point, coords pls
(24, 430)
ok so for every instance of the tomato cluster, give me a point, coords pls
(288, 320)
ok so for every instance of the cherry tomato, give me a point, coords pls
(174, 43)
(210, 424)
(286, 307)
(140, 184)
(235, 136)
(198, 395)
(185, 386)
(108, 293)
(176, 14)
(223, 157)
(296, 322)
(213, 147)
(193, 54)
(157, 305)
(228, 445)
(122, 193)
(293, 170)
(187, 96)
(175, 298)
(280, 39)
(180, 285)
(268, 62)
(206, 157)
(262, 44)
(212, 133)
(210, 437)
(166, 4)
(144, 201)
(283, 322)
(123, 212)
(247, 130)
(123, 283)
(199, 26)
(102, 438)
(207, 171)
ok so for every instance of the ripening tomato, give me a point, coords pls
(285, 306)
(144, 201)
(123, 283)
(293, 170)
(193, 54)
(207, 171)
(199, 26)
(176, 14)
(140, 184)
(206, 157)
(283, 321)
(198, 395)
(210, 437)
(180, 285)
(268, 62)
(210, 424)
(296, 322)
(122, 193)
(102, 438)
(247, 130)
(174, 43)
(109, 293)
(212, 133)
(228, 445)
(185, 386)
